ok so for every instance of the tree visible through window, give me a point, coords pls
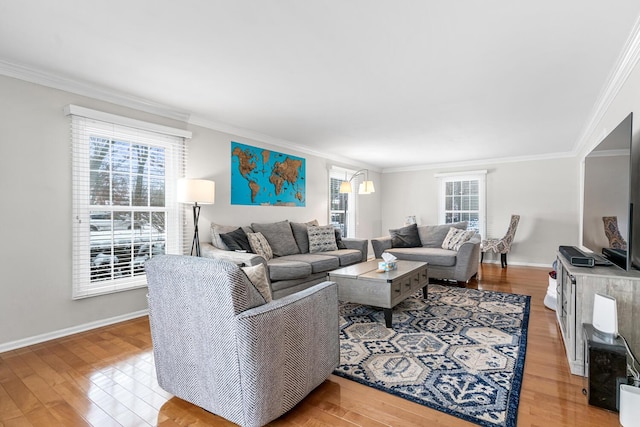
(124, 202)
(127, 201)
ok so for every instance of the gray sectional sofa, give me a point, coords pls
(425, 245)
(293, 267)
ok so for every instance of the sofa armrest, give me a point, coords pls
(380, 244)
(467, 259)
(240, 258)
(286, 348)
(360, 244)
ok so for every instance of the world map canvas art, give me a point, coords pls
(266, 178)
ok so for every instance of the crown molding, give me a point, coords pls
(267, 139)
(90, 90)
(617, 78)
(482, 162)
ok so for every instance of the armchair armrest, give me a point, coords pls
(380, 244)
(360, 244)
(246, 258)
(286, 348)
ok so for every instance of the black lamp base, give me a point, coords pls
(195, 244)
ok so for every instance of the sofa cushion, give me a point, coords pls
(434, 256)
(432, 236)
(318, 262)
(456, 237)
(322, 239)
(299, 230)
(405, 237)
(285, 269)
(259, 245)
(236, 240)
(279, 236)
(346, 256)
(257, 275)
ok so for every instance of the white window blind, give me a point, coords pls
(124, 200)
(462, 197)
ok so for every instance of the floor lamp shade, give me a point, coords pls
(199, 192)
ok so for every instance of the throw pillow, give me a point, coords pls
(236, 240)
(218, 229)
(339, 243)
(259, 245)
(257, 274)
(300, 234)
(279, 236)
(432, 236)
(405, 237)
(322, 239)
(456, 237)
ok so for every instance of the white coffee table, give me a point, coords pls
(363, 284)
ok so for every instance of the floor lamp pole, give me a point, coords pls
(196, 240)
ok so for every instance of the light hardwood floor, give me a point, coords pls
(105, 377)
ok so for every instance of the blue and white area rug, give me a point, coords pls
(460, 352)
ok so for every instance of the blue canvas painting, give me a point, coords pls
(266, 178)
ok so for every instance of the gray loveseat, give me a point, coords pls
(459, 265)
(292, 268)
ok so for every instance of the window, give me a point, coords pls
(462, 198)
(341, 205)
(124, 199)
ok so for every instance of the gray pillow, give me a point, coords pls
(236, 240)
(216, 231)
(322, 239)
(432, 236)
(300, 234)
(279, 236)
(405, 237)
(339, 243)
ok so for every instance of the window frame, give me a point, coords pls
(481, 177)
(86, 123)
(342, 174)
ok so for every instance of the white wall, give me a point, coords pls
(543, 192)
(209, 158)
(35, 219)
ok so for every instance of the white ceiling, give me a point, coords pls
(390, 84)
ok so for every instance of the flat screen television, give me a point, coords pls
(612, 189)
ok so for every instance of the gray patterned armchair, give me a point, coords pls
(218, 345)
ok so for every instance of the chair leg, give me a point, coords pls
(481, 257)
(503, 260)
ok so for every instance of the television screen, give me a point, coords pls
(607, 178)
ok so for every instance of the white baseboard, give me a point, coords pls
(519, 263)
(12, 345)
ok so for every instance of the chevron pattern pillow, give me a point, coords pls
(456, 237)
(259, 245)
(322, 239)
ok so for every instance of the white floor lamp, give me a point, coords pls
(196, 191)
